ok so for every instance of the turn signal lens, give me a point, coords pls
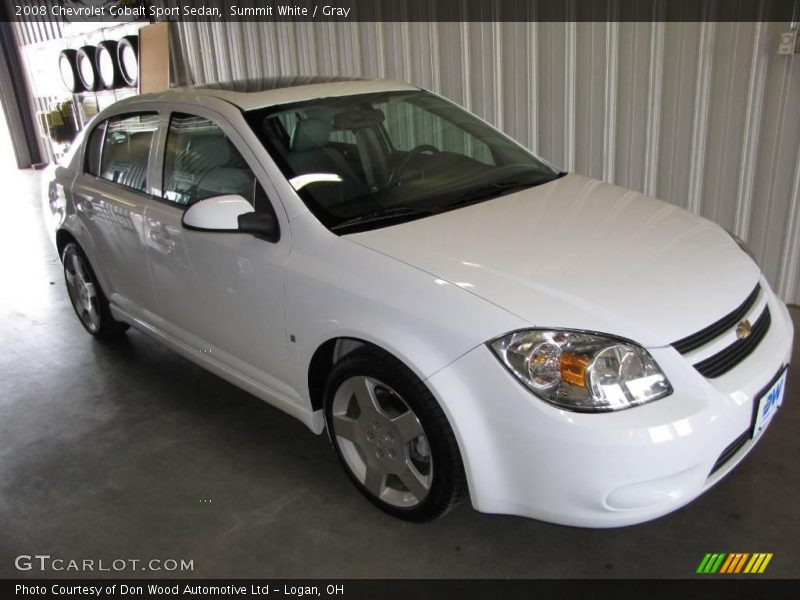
(573, 369)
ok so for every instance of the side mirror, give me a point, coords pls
(230, 214)
(263, 225)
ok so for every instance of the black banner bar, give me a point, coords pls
(403, 10)
(733, 587)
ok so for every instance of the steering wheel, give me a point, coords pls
(413, 153)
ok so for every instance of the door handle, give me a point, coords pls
(86, 207)
(163, 241)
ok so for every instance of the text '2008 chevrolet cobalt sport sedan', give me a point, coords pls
(463, 319)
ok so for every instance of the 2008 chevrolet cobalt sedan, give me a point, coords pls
(463, 318)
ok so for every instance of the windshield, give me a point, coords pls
(371, 160)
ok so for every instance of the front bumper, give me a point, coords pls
(525, 457)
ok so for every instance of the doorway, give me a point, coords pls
(8, 161)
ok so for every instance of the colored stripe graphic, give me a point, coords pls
(734, 562)
(726, 565)
(741, 562)
(711, 563)
(758, 563)
(703, 563)
(716, 565)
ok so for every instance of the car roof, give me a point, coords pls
(249, 94)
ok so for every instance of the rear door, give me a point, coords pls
(110, 197)
(219, 293)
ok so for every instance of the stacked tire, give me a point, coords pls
(128, 59)
(68, 67)
(109, 64)
(87, 68)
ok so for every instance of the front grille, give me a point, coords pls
(725, 360)
(730, 451)
(716, 329)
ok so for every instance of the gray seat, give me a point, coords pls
(209, 166)
(309, 153)
(308, 148)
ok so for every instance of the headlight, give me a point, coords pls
(581, 371)
(743, 245)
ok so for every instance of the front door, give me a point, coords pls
(219, 293)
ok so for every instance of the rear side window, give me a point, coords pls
(93, 147)
(201, 162)
(126, 149)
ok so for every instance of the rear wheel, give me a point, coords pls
(87, 296)
(392, 438)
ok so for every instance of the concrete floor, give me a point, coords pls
(125, 450)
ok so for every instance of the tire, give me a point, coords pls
(87, 68)
(107, 65)
(68, 68)
(86, 296)
(392, 438)
(129, 68)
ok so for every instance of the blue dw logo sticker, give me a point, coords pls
(772, 399)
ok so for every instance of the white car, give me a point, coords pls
(460, 316)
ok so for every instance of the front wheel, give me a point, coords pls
(87, 296)
(392, 438)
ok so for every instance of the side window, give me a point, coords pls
(201, 162)
(126, 149)
(289, 120)
(93, 146)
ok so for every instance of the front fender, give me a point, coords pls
(336, 288)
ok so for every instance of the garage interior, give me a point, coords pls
(125, 449)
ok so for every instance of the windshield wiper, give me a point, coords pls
(384, 213)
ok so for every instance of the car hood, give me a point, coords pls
(581, 254)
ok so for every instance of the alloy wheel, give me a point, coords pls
(82, 291)
(382, 441)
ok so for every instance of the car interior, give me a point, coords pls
(201, 162)
(347, 162)
(126, 149)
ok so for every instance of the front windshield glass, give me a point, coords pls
(372, 160)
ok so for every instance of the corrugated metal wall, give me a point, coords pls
(703, 115)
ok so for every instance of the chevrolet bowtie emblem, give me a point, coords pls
(744, 329)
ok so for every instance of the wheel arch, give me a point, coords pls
(64, 237)
(334, 353)
(324, 359)
(331, 351)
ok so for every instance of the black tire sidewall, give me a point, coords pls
(109, 46)
(71, 57)
(130, 79)
(89, 53)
